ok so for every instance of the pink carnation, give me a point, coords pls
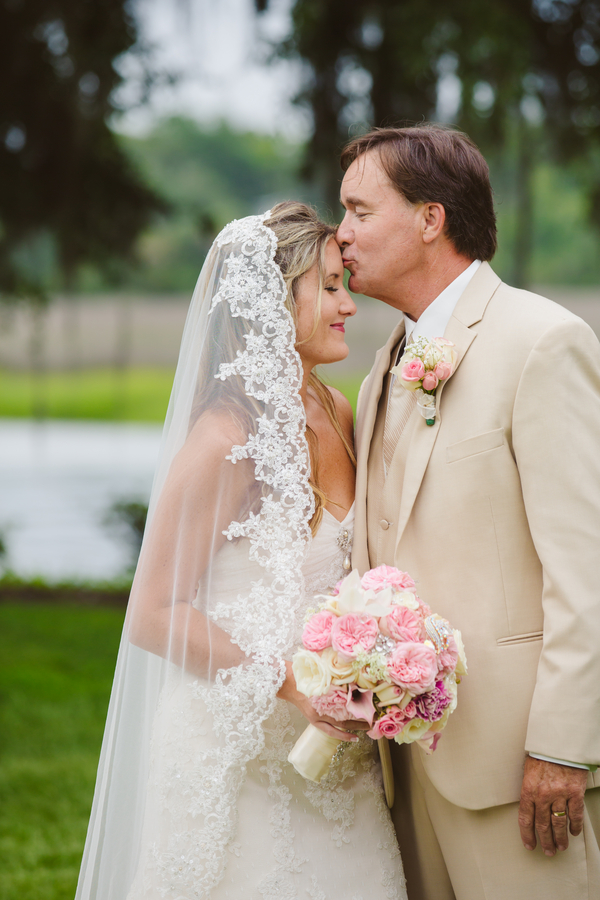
(430, 381)
(431, 706)
(448, 658)
(386, 576)
(413, 667)
(389, 725)
(352, 633)
(332, 704)
(413, 370)
(317, 631)
(402, 624)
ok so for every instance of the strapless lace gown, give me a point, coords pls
(295, 840)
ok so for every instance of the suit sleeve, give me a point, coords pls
(556, 441)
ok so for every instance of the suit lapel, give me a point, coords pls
(370, 394)
(469, 310)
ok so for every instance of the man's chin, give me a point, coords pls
(354, 285)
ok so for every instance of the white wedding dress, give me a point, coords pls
(294, 840)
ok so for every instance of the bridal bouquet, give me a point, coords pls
(374, 651)
(423, 366)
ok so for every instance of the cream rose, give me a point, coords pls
(340, 668)
(312, 675)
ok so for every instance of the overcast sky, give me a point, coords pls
(219, 48)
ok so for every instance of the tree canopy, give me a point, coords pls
(372, 62)
(68, 192)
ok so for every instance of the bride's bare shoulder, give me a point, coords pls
(208, 445)
(343, 409)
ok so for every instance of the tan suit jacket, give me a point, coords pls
(495, 511)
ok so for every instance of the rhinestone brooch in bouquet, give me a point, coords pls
(374, 651)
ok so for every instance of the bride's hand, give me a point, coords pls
(339, 730)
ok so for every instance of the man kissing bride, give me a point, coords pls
(253, 505)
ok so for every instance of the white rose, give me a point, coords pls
(339, 667)
(412, 731)
(311, 673)
(461, 665)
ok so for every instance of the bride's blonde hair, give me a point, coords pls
(302, 240)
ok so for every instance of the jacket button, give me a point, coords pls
(384, 524)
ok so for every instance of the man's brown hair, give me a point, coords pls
(432, 164)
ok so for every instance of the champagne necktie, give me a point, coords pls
(399, 408)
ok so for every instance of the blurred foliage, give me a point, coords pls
(135, 395)
(68, 192)
(209, 175)
(128, 518)
(56, 669)
(526, 76)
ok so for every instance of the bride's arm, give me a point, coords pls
(203, 493)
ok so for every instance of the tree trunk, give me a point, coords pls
(37, 348)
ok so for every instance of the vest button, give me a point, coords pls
(384, 524)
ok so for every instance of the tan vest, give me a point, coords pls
(382, 497)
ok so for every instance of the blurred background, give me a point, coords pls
(131, 131)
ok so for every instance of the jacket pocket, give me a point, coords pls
(521, 638)
(478, 444)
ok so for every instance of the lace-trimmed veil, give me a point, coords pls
(234, 466)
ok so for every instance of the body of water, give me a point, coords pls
(57, 483)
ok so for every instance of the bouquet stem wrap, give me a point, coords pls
(312, 753)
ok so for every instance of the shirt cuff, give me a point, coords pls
(564, 762)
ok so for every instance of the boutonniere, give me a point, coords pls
(424, 365)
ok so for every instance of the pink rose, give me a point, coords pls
(413, 370)
(448, 658)
(332, 704)
(402, 624)
(389, 725)
(386, 576)
(352, 633)
(413, 667)
(317, 631)
(430, 381)
(443, 370)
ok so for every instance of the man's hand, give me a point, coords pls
(550, 788)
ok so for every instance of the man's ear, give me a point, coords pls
(434, 219)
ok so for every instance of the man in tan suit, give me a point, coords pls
(495, 511)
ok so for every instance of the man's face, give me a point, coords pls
(381, 232)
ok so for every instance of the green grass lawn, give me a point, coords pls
(137, 395)
(56, 665)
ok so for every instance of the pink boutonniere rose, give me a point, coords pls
(423, 367)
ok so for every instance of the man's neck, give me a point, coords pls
(420, 290)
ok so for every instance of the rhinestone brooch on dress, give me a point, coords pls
(344, 542)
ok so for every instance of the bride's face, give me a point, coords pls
(320, 333)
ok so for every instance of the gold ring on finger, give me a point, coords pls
(560, 814)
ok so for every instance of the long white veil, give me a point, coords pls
(200, 660)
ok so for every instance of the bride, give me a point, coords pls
(250, 516)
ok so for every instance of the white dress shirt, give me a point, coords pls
(434, 320)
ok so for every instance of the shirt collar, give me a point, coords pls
(434, 320)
